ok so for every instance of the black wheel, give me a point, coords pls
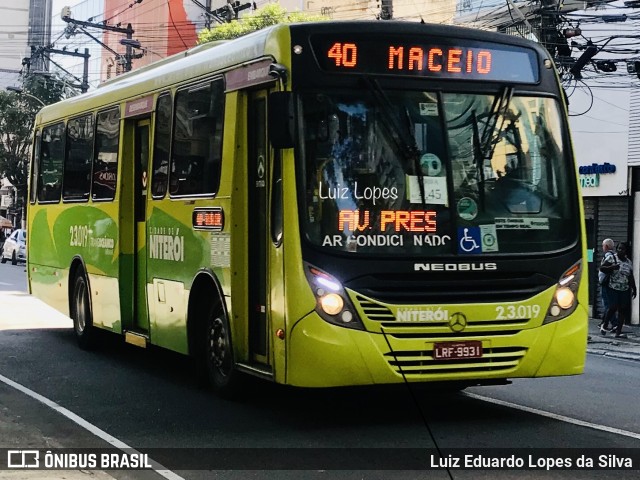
(217, 353)
(14, 259)
(2, 258)
(81, 313)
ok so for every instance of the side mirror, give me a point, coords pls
(281, 119)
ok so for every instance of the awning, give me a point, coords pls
(4, 223)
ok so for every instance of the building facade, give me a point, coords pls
(13, 39)
(603, 118)
(7, 201)
(430, 11)
(161, 28)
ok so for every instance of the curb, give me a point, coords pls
(614, 354)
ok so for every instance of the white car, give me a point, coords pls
(15, 247)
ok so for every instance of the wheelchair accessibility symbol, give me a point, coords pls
(469, 240)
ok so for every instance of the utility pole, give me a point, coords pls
(37, 51)
(84, 85)
(129, 31)
(229, 12)
(207, 16)
(386, 10)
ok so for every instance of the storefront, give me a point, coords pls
(6, 207)
(608, 212)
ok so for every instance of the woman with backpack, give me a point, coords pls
(619, 287)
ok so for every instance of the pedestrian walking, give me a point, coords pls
(620, 290)
(607, 266)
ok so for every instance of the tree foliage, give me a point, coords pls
(17, 114)
(270, 14)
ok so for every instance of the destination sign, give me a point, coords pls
(458, 59)
(416, 221)
(208, 219)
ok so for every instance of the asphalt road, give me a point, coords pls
(13, 277)
(149, 399)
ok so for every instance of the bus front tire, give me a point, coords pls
(81, 313)
(218, 358)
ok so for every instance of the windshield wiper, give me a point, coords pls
(498, 111)
(478, 157)
(484, 144)
(405, 143)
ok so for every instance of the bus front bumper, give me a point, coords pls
(325, 355)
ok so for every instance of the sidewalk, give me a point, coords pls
(26, 423)
(607, 345)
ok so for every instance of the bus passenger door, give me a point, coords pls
(141, 165)
(258, 192)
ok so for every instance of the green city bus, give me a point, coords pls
(321, 204)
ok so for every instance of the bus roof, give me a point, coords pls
(202, 60)
(199, 61)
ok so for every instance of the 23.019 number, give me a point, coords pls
(78, 235)
(520, 311)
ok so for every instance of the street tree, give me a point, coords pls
(270, 14)
(17, 115)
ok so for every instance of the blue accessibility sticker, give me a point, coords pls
(469, 240)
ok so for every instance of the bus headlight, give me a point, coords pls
(332, 302)
(565, 299)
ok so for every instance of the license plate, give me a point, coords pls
(457, 350)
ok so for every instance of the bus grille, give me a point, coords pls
(412, 363)
(494, 360)
(374, 311)
(433, 329)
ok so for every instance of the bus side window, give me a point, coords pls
(105, 158)
(51, 162)
(196, 150)
(76, 179)
(161, 145)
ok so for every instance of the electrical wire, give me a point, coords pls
(485, 14)
(174, 25)
(590, 104)
(130, 6)
(415, 401)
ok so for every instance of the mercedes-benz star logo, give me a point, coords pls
(457, 322)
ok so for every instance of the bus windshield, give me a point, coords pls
(426, 173)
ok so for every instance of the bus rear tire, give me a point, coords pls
(81, 314)
(219, 364)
